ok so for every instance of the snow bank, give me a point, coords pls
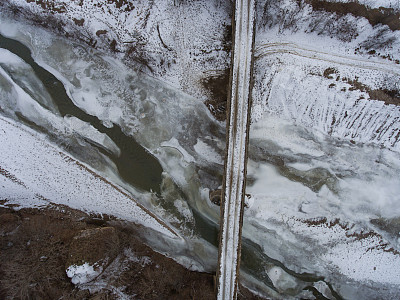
(83, 273)
(47, 173)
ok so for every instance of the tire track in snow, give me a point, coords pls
(262, 50)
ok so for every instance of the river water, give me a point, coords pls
(310, 195)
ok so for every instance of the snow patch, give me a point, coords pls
(83, 273)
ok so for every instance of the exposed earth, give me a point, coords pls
(37, 245)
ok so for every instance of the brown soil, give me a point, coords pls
(382, 15)
(49, 5)
(35, 245)
(218, 87)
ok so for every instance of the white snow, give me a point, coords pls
(374, 3)
(89, 132)
(310, 72)
(207, 152)
(83, 273)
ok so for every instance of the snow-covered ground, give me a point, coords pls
(157, 36)
(316, 79)
(36, 173)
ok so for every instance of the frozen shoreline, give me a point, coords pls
(41, 173)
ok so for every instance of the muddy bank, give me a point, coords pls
(38, 244)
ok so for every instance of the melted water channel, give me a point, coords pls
(135, 164)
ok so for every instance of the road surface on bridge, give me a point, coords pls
(235, 164)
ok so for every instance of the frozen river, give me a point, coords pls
(323, 215)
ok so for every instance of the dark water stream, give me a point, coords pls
(135, 164)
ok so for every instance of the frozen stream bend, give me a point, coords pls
(235, 165)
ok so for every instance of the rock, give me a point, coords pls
(8, 223)
(215, 196)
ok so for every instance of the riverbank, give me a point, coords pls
(37, 245)
(42, 237)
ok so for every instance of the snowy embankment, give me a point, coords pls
(36, 173)
(159, 37)
(374, 3)
(324, 152)
(308, 72)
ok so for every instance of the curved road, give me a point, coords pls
(266, 49)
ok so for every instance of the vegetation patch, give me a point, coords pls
(358, 236)
(385, 95)
(120, 3)
(375, 16)
(217, 85)
(79, 22)
(50, 5)
(329, 72)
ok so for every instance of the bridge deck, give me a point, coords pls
(237, 140)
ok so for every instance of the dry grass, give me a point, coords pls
(35, 246)
(384, 16)
(358, 236)
(385, 95)
(217, 85)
